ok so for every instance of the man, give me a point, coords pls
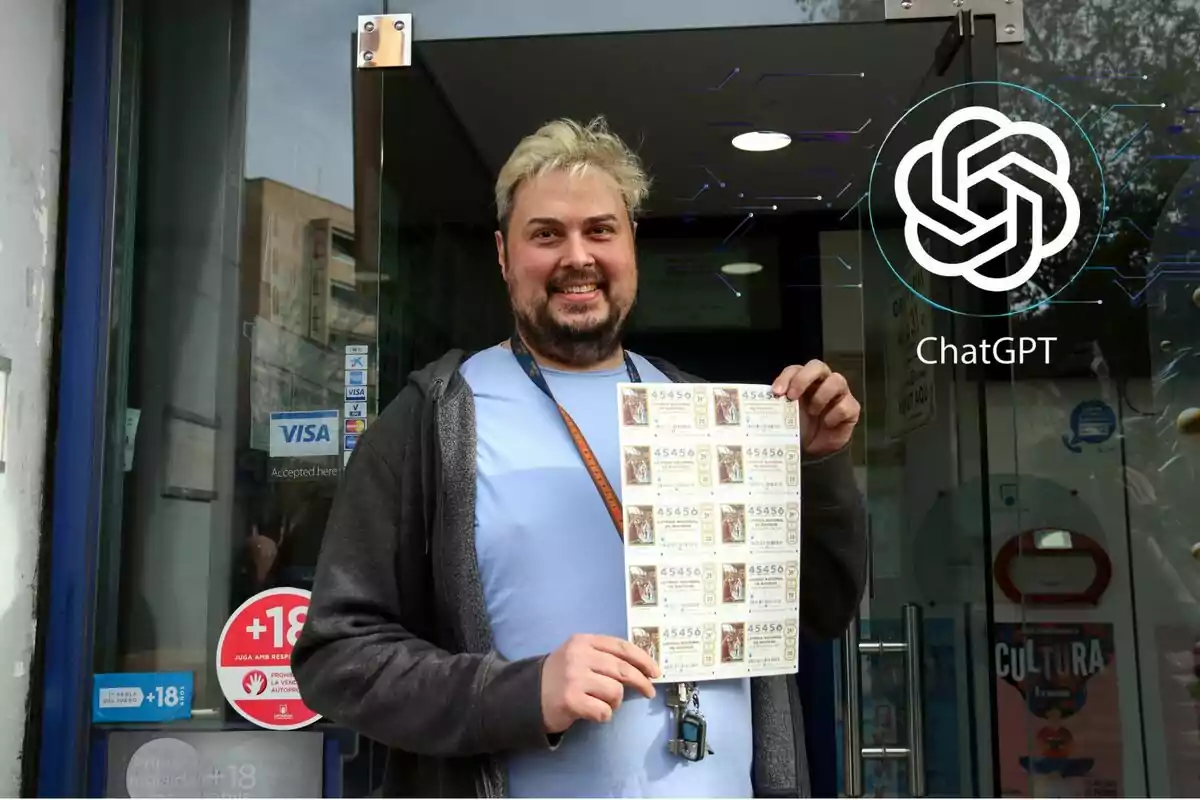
(469, 605)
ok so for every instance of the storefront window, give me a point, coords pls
(243, 289)
(289, 211)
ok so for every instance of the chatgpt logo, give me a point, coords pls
(1005, 199)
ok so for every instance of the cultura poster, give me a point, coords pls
(1179, 687)
(1058, 718)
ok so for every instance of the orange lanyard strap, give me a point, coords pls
(612, 503)
(607, 494)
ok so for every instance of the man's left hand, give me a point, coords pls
(829, 411)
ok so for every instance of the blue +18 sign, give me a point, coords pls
(142, 697)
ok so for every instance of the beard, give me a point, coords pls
(575, 344)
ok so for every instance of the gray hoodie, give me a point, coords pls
(397, 645)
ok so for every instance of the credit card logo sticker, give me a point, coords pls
(356, 377)
(356, 393)
(355, 426)
(303, 433)
(354, 410)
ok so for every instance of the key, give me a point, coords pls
(679, 696)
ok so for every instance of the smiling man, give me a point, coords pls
(469, 607)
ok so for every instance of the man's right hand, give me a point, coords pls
(587, 676)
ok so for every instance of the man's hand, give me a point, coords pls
(830, 411)
(264, 551)
(586, 679)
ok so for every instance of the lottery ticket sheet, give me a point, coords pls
(710, 483)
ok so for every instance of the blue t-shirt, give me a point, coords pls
(552, 566)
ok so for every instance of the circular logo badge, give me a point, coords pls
(254, 682)
(982, 211)
(165, 766)
(254, 656)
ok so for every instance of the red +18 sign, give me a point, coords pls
(254, 659)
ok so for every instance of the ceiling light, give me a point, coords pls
(761, 141)
(742, 268)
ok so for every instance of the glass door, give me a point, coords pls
(915, 669)
(243, 366)
(336, 202)
(1030, 622)
(747, 261)
(1093, 450)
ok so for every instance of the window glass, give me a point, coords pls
(276, 206)
(244, 281)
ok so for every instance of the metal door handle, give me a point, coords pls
(914, 675)
(856, 755)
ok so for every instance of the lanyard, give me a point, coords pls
(690, 739)
(534, 372)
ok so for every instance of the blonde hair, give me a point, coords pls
(566, 144)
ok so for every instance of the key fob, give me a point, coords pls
(692, 735)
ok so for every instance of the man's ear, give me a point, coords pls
(501, 255)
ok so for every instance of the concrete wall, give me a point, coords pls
(31, 76)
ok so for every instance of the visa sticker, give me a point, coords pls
(304, 433)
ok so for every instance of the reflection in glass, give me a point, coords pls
(243, 297)
(269, 238)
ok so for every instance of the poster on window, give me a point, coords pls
(710, 481)
(1178, 650)
(910, 380)
(1058, 717)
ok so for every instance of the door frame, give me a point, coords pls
(56, 751)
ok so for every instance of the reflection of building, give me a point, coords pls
(298, 265)
(303, 300)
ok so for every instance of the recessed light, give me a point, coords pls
(742, 268)
(761, 141)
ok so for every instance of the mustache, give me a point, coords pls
(569, 276)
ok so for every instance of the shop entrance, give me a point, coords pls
(331, 230)
(747, 260)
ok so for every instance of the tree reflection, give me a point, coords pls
(1128, 73)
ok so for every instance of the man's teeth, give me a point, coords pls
(584, 289)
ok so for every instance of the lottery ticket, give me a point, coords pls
(760, 525)
(686, 650)
(665, 408)
(683, 528)
(676, 587)
(710, 483)
(764, 646)
(755, 410)
(757, 467)
(667, 465)
(760, 585)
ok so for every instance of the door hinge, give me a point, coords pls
(1010, 14)
(384, 40)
